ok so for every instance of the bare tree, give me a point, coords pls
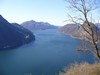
(83, 8)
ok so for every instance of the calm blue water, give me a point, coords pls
(49, 54)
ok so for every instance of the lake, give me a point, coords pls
(49, 54)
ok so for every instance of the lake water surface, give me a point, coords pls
(49, 54)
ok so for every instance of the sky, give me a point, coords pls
(52, 11)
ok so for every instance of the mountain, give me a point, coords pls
(33, 25)
(69, 29)
(98, 25)
(13, 35)
(77, 31)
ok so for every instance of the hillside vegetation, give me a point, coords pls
(82, 69)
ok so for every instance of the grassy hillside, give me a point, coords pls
(82, 69)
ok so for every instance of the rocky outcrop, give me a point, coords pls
(13, 35)
(33, 25)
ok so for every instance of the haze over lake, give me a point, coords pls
(49, 54)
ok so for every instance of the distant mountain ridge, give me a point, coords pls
(77, 31)
(33, 25)
(12, 36)
(69, 29)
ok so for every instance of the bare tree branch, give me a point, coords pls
(85, 7)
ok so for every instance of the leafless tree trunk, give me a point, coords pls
(84, 7)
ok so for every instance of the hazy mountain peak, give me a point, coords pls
(33, 25)
(31, 21)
